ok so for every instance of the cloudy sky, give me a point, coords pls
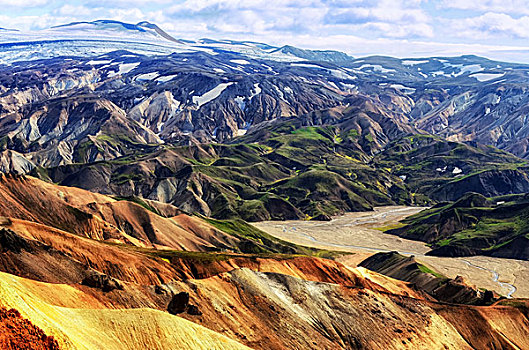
(405, 28)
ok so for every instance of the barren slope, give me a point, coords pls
(276, 302)
(104, 218)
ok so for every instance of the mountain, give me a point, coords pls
(315, 55)
(135, 221)
(128, 295)
(295, 173)
(286, 171)
(130, 124)
(114, 29)
(235, 84)
(104, 36)
(473, 225)
(424, 278)
(444, 170)
(147, 154)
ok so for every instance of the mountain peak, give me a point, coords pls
(315, 55)
(113, 27)
(101, 23)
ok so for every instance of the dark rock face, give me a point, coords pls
(101, 281)
(11, 241)
(489, 184)
(180, 303)
(517, 248)
(322, 217)
(193, 310)
(161, 289)
(454, 251)
(471, 200)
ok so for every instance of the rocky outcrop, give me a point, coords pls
(490, 183)
(19, 333)
(12, 242)
(517, 248)
(473, 225)
(101, 281)
(322, 217)
(180, 303)
(454, 251)
(491, 115)
(441, 288)
(135, 221)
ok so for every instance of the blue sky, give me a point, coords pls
(413, 28)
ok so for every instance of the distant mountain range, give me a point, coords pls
(89, 38)
(78, 96)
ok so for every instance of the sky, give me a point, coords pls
(497, 29)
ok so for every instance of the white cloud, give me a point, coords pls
(360, 27)
(387, 18)
(23, 3)
(490, 25)
(70, 10)
(500, 6)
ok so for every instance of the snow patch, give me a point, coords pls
(257, 90)
(471, 68)
(414, 62)
(147, 76)
(405, 89)
(244, 129)
(211, 94)
(376, 68)
(306, 65)
(98, 62)
(440, 72)
(241, 101)
(280, 93)
(348, 86)
(486, 76)
(332, 84)
(243, 62)
(340, 75)
(166, 78)
(124, 68)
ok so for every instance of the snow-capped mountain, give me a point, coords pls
(169, 90)
(113, 31)
(103, 36)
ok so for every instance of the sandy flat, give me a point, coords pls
(354, 232)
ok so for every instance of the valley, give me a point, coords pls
(158, 192)
(361, 234)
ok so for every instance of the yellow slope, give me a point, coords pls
(78, 321)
